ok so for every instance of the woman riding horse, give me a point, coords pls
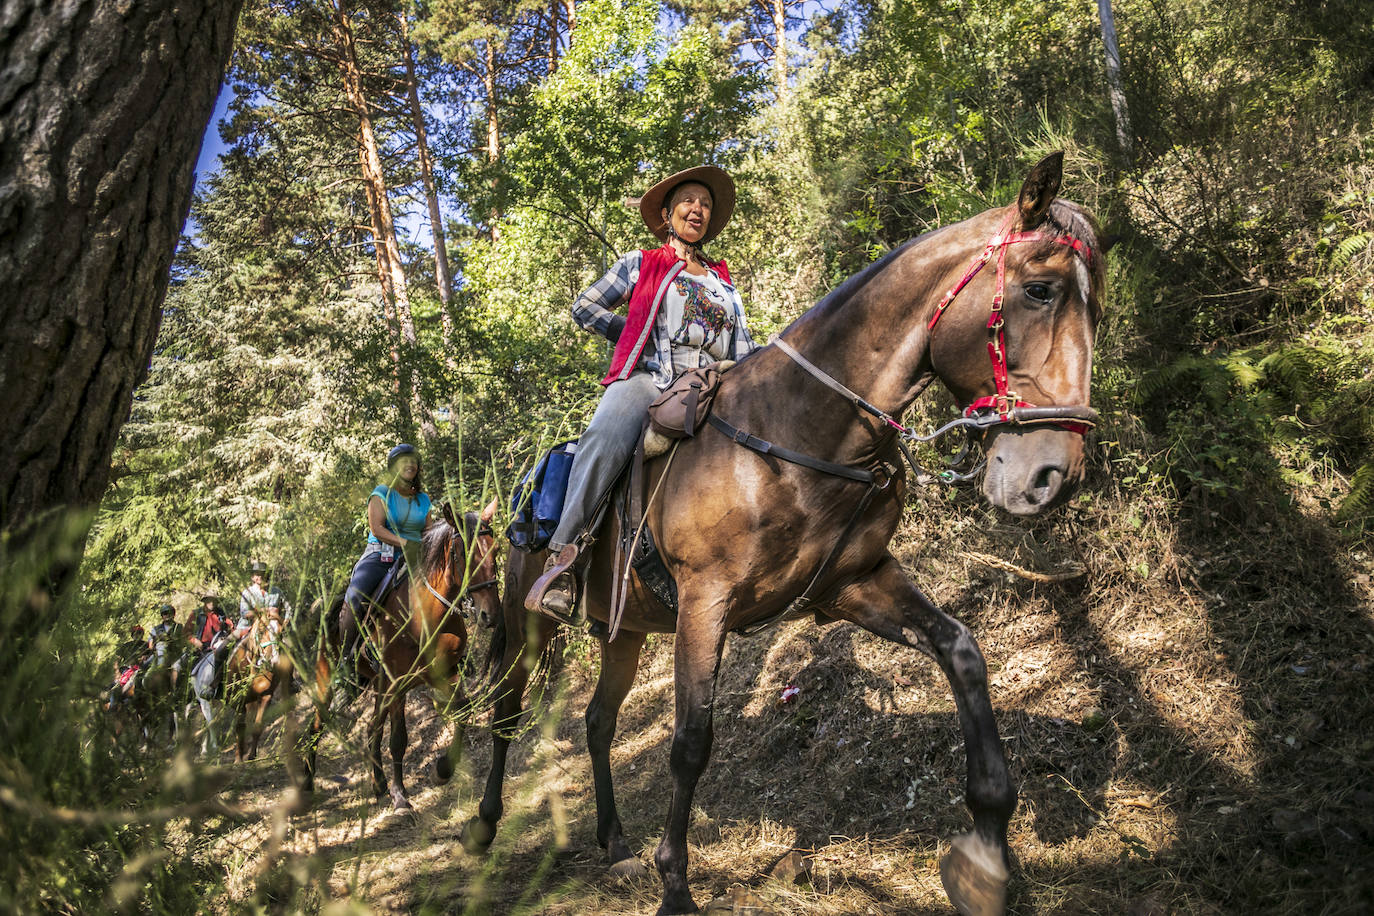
(397, 513)
(808, 491)
(418, 636)
(681, 300)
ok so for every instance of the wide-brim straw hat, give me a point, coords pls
(717, 180)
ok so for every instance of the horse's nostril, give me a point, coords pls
(1047, 484)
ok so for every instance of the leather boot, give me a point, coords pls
(555, 591)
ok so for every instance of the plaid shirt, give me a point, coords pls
(594, 310)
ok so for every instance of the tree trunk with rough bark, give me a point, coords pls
(1117, 93)
(442, 275)
(493, 132)
(778, 10)
(102, 110)
(391, 272)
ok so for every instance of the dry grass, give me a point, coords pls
(1185, 705)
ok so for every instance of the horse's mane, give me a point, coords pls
(1065, 216)
(435, 540)
(434, 545)
(855, 282)
(858, 281)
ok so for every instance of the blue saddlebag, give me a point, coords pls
(537, 504)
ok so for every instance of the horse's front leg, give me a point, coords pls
(399, 740)
(323, 695)
(524, 645)
(256, 732)
(446, 677)
(619, 664)
(374, 736)
(241, 733)
(700, 637)
(885, 602)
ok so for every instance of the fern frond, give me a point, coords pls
(1359, 502)
(1190, 372)
(1347, 248)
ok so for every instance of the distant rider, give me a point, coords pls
(263, 600)
(202, 626)
(130, 658)
(397, 512)
(167, 641)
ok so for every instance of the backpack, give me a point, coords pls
(537, 503)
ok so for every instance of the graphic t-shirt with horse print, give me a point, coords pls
(699, 316)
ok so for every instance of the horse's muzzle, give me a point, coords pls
(1032, 471)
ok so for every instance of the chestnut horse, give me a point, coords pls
(418, 636)
(774, 539)
(256, 670)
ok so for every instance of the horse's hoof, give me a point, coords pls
(627, 869)
(399, 802)
(476, 836)
(675, 909)
(974, 877)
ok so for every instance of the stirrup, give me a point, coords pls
(554, 593)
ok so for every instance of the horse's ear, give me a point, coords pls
(448, 515)
(489, 512)
(1105, 242)
(1039, 190)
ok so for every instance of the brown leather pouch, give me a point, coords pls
(682, 408)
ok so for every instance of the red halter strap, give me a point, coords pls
(1003, 402)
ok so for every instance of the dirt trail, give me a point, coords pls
(1170, 759)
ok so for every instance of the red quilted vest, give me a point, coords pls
(657, 268)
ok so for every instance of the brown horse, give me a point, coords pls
(148, 705)
(419, 637)
(257, 669)
(773, 538)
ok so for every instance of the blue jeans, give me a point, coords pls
(603, 450)
(367, 575)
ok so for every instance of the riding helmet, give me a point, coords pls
(400, 451)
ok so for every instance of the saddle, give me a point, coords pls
(676, 414)
(388, 583)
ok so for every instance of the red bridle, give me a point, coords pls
(1004, 402)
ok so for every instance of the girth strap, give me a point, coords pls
(764, 447)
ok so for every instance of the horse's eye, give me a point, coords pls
(1040, 292)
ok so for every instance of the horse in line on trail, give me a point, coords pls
(775, 539)
(257, 670)
(149, 707)
(418, 636)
